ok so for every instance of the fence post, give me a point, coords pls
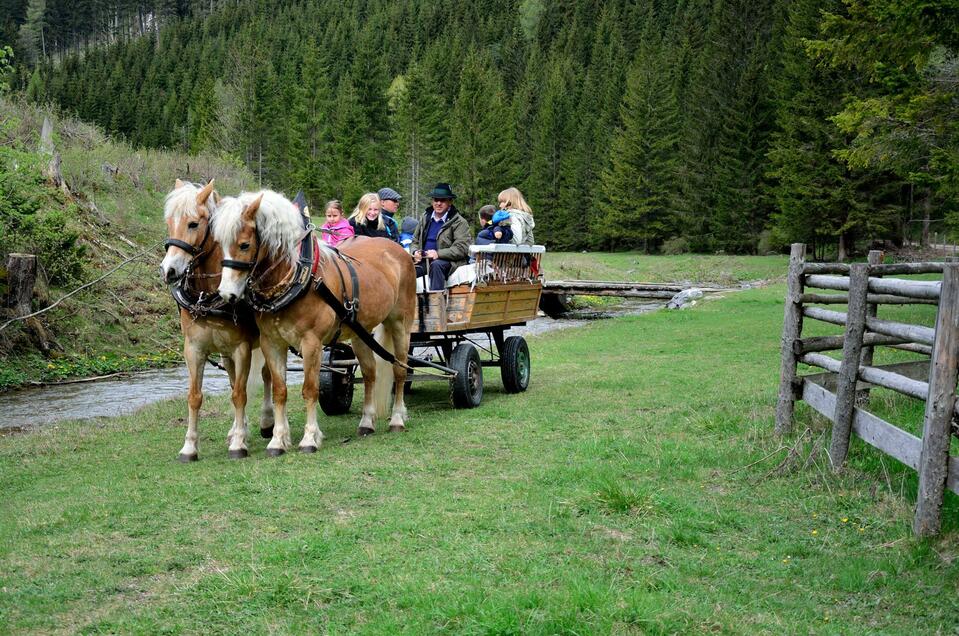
(849, 369)
(936, 433)
(872, 310)
(792, 327)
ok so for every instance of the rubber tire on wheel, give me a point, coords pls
(336, 389)
(466, 389)
(514, 364)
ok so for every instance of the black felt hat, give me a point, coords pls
(442, 191)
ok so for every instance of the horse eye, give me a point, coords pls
(193, 225)
(244, 246)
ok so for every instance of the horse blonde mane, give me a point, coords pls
(182, 202)
(279, 223)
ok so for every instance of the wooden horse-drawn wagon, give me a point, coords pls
(500, 290)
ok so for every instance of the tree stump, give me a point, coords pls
(21, 276)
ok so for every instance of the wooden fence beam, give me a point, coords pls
(940, 406)
(792, 328)
(895, 286)
(849, 368)
(877, 299)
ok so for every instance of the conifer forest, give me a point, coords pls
(694, 125)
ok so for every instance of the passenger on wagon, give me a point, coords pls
(338, 229)
(389, 202)
(442, 238)
(367, 220)
(521, 216)
(497, 230)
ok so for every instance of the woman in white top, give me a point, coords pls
(521, 216)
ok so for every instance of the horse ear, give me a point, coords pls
(204, 193)
(216, 197)
(250, 212)
(177, 185)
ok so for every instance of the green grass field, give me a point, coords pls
(635, 488)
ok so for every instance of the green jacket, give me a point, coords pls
(454, 240)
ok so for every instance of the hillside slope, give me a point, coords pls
(109, 210)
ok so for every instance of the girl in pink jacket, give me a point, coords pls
(337, 228)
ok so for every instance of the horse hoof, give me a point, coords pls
(239, 454)
(363, 432)
(266, 433)
(307, 449)
(274, 452)
(183, 458)
(397, 428)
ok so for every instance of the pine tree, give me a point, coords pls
(309, 128)
(419, 136)
(639, 187)
(482, 155)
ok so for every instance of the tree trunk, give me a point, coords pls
(21, 276)
(841, 256)
(926, 211)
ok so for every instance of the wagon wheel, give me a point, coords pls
(466, 389)
(514, 364)
(336, 389)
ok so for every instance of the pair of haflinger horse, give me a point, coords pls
(223, 248)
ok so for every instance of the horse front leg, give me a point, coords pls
(240, 361)
(367, 360)
(275, 354)
(195, 360)
(312, 436)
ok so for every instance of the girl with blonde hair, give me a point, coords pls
(521, 215)
(366, 219)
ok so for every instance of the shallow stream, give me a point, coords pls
(44, 405)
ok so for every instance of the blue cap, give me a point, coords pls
(500, 215)
(388, 194)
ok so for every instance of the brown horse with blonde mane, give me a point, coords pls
(263, 236)
(193, 264)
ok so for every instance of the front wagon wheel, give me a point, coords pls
(466, 389)
(514, 364)
(336, 389)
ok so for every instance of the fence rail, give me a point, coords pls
(841, 394)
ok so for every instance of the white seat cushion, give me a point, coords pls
(462, 274)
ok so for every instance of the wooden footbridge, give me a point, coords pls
(556, 293)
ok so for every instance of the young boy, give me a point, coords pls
(498, 230)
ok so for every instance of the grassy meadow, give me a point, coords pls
(636, 488)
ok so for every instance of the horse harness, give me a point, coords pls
(304, 274)
(203, 304)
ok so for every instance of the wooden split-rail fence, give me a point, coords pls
(841, 392)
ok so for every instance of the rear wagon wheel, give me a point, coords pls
(514, 364)
(466, 389)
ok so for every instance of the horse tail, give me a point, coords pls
(384, 373)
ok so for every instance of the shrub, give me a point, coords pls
(676, 245)
(35, 218)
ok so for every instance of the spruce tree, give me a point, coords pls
(638, 208)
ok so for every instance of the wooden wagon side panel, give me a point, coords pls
(435, 319)
(504, 304)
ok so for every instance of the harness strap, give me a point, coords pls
(348, 318)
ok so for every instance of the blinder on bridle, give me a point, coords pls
(244, 266)
(186, 247)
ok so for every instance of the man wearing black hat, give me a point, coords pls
(442, 239)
